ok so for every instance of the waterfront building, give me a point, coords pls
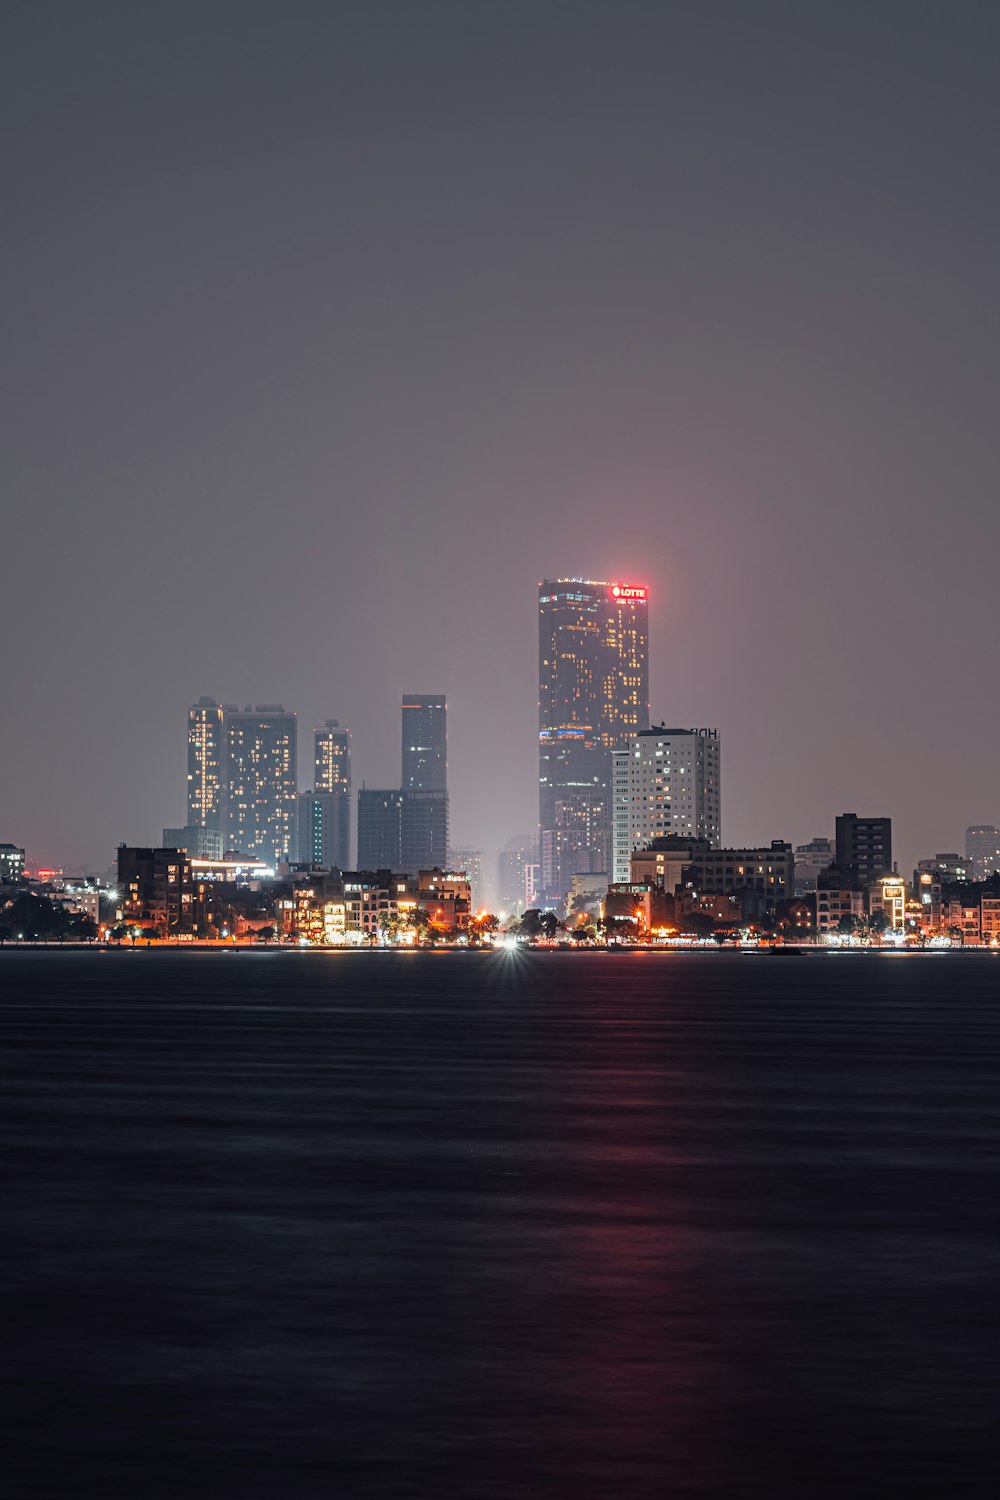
(982, 850)
(767, 872)
(666, 782)
(864, 844)
(593, 695)
(261, 761)
(155, 888)
(888, 897)
(663, 861)
(838, 897)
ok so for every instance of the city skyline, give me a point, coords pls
(713, 308)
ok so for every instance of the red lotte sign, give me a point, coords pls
(628, 591)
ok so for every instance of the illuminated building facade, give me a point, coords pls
(332, 758)
(324, 829)
(665, 782)
(982, 849)
(593, 696)
(325, 813)
(424, 811)
(261, 760)
(206, 766)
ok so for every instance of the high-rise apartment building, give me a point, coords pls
(593, 696)
(261, 762)
(206, 766)
(666, 782)
(982, 849)
(380, 817)
(424, 816)
(332, 758)
(325, 813)
(864, 845)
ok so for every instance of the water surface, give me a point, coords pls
(480, 1225)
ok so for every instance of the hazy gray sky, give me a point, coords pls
(329, 330)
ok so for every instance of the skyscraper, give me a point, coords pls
(424, 820)
(332, 758)
(593, 695)
(261, 757)
(666, 782)
(324, 829)
(206, 766)
(325, 813)
(380, 829)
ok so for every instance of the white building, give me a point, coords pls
(666, 781)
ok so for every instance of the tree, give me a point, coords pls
(877, 923)
(848, 924)
(264, 934)
(698, 924)
(530, 925)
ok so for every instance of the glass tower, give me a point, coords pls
(593, 696)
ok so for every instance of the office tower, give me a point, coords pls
(425, 742)
(865, 845)
(666, 782)
(324, 829)
(206, 766)
(471, 862)
(593, 695)
(982, 849)
(261, 759)
(424, 822)
(380, 816)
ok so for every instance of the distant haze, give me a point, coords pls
(329, 331)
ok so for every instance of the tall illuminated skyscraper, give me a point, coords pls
(261, 757)
(332, 758)
(593, 695)
(206, 766)
(425, 781)
(325, 812)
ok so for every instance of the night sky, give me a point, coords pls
(329, 330)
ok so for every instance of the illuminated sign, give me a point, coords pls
(628, 591)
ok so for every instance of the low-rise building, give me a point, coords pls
(155, 888)
(767, 871)
(840, 900)
(887, 896)
(11, 864)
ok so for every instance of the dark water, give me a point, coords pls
(467, 1225)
